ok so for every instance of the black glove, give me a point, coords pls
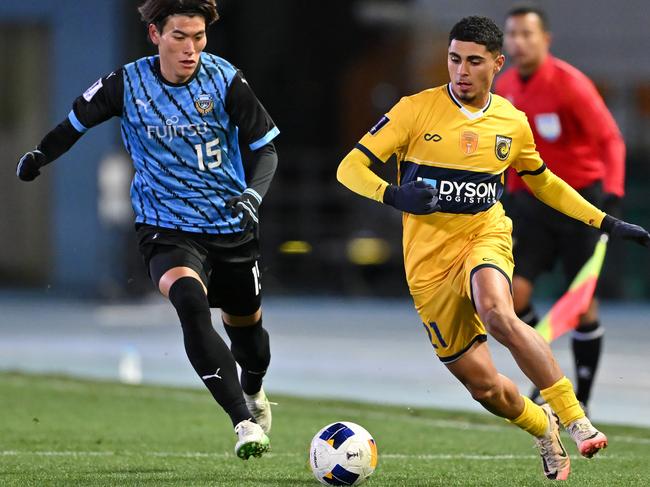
(417, 197)
(612, 205)
(28, 168)
(627, 231)
(247, 205)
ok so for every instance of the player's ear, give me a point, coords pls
(498, 63)
(154, 35)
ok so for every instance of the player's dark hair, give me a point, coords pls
(530, 8)
(481, 30)
(157, 11)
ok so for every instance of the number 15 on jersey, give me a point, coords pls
(213, 150)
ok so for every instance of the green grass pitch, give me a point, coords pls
(60, 431)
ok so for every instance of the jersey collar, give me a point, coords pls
(465, 111)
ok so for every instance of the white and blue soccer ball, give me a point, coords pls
(342, 453)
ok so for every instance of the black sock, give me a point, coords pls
(250, 347)
(528, 316)
(586, 344)
(208, 353)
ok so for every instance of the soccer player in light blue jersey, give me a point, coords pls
(184, 114)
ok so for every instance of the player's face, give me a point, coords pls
(471, 71)
(180, 44)
(526, 42)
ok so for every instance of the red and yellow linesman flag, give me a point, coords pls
(565, 313)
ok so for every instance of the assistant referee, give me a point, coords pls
(580, 142)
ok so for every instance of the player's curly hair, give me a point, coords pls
(157, 11)
(481, 30)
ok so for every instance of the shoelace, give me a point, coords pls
(261, 404)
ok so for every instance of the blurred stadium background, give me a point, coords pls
(74, 296)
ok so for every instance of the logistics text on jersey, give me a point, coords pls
(459, 191)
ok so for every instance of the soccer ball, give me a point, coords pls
(342, 453)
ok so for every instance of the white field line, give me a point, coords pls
(384, 456)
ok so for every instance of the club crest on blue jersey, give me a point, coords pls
(502, 146)
(204, 103)
(379, 125)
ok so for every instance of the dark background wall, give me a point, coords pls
(325, 71)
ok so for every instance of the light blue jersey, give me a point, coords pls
(184, 146)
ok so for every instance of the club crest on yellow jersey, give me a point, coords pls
(502, 146)
(468, 142)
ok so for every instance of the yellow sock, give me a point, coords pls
(533, 419)
(563, 401)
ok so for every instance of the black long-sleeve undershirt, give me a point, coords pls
(263, 163)
(59, 140)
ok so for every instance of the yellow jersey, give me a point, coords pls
(464, 154)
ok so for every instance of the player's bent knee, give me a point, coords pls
(170, 277)
(187, 296)
(485, 393)
(501, 335)
(497, 328)
(498, 320)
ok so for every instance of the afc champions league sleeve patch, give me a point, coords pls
(502, 146)
(379, 125)
(204, 103)
(90, 92)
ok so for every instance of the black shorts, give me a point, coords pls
(227, 265)
(542, 235)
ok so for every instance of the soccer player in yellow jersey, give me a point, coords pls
(453, 144)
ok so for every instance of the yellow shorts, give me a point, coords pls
(447, 310)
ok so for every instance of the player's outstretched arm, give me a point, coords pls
(417, 197)
(103, 100)
(55, 143)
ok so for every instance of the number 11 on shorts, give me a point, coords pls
(256, 279)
